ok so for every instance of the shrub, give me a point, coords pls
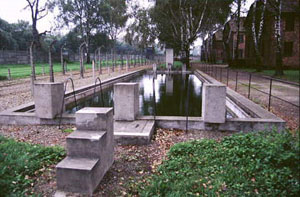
(261, 163)
(20, 162)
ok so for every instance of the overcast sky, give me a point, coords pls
(13, 10)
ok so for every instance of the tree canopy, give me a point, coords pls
(180, 22)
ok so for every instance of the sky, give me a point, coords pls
(13, 10)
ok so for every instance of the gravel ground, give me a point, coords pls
(17, 92)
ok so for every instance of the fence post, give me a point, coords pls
(221, 75)
(43, 69)
(270, 94)
(236, 80)
(249, 88)
(227, 76)
(9, 75)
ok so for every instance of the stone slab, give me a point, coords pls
(135, 132)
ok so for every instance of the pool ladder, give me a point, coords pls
(63, 103)
(95, 86)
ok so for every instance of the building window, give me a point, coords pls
(289, 23)
(241, 53)
(288, 49)
(241, 38)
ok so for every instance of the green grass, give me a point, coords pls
(254, 164)
(20, 164)
(24, 70)
(290, 75)
(177, 65)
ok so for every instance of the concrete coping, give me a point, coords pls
(249, 106)
(94, 110)
(48, 83)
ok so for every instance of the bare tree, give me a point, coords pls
(38, 11)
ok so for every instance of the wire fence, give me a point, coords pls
(247, 83)
(13, 71)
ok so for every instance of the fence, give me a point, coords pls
(251, 81)
(106, 60)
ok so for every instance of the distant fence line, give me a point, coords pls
(22, 57)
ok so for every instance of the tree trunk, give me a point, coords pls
(279, 67)
(32, 61)
(236, 57)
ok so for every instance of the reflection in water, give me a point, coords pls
(170, 95)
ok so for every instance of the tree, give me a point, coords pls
(180, 22)
(83, 14)
(257, 16)
(38, 11)
(276, 8)
(114, 13)
(141, 32)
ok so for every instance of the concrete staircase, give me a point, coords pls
(89, 151)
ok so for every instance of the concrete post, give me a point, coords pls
(126, 101)
(169, 58)
(154, 67)
(184, 68)
(213, 103)
(48, 98)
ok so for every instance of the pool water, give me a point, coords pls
(170, 93)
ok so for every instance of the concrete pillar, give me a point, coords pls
(126, 101)
(48, 98)
(213, 103)
(154, 67)
(184, 68)
(169, 58)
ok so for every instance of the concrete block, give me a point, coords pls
(154, 67)
(48, 98)
(126, 101)
(77, 174)
(93, 119)
(169, 57)
(89, 144)
(213, 103)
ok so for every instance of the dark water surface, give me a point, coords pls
(171, 93)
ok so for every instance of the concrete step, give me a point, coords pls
(136, 132)
(77, 175)
(88, 144)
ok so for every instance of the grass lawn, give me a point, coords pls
(254, 164)
(177, 64)
(20, 164)
(24, 70)
(290, 75)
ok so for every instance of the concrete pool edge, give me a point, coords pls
(261, 119)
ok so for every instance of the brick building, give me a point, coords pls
(290, 36)
(230, 36)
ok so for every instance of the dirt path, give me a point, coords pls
(290, 93)
(17, 92)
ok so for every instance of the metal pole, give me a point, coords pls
(187, 106)
(221, 74)
(154, 100)
(270, 94)
(249, 88)
(227, 76)
(236, 80)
